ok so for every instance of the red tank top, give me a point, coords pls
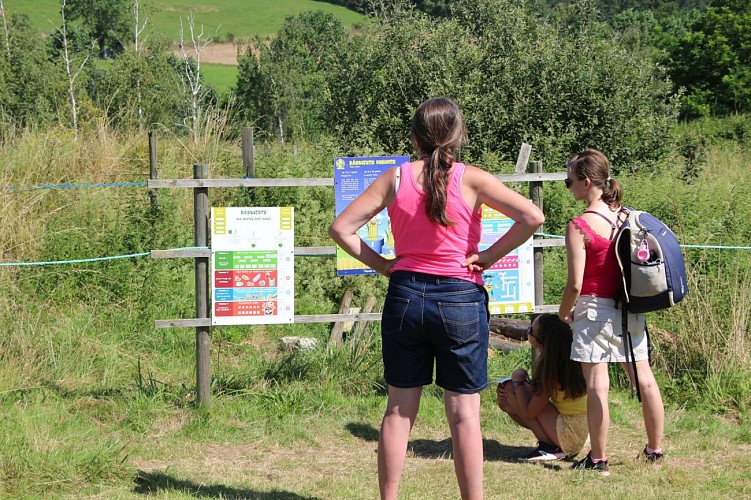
(602, 275)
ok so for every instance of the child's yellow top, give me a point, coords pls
(566, 406)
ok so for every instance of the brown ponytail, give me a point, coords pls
(593, 165)
(438, 133)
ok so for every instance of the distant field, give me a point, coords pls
(221, 76)
(239, 17)
(220, 18)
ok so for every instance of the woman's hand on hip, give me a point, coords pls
(477, 262)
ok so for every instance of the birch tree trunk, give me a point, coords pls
(193, 75)
(5, 30)
(138, 28)
(71, 74)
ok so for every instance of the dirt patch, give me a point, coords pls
(215, 53)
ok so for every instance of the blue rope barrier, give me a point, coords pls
(717, 247)
(74, 186)
(75, 261)
(721, 247)
(143, 254)
(94, 259)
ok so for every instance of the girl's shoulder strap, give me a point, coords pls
(613, 225)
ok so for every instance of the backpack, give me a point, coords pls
(651, 262)
(653, 270)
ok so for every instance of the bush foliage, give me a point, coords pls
(561, 83)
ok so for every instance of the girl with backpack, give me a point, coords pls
(594, 279)
(553, 403)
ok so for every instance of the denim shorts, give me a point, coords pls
(429, 318)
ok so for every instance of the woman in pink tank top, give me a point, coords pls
(588, 303)
(435, 312)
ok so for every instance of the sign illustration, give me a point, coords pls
(351, 177)
(510, 281)
(252, 257)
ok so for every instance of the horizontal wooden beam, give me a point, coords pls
(241, 182)
(309, 318)
(548, 243)
(314, 181)
(299, 251)
(206, 252)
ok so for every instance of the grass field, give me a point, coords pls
(240, 18)
(97, 403)
(222, 19)
(222, 76)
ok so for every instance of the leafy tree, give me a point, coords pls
(282, 85)
(561, 83)
(434, 7)
(155, 73)
(108, 22)
(610, 9)
(30, 83)
(388, 69)
(712, 60)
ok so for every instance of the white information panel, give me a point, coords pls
(510, 281)
(253, 265)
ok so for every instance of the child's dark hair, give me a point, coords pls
(553, 369)
(438, 133)
(594, 165)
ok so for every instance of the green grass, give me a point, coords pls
(222, 19)
(278, 431)
(223, 77)
(98, 403)
(241, 18)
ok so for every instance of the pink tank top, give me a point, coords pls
(426, 247)
(602, 276)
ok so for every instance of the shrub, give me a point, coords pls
(561, 83)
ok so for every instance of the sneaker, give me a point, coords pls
(653, 458)
(586, 463)
(544, 452)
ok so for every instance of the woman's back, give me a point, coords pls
(568, 406)
(421, 244)
(602, 275)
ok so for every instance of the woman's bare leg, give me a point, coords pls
(401, 412)
(652, 408)
(598, 413)
(463, 413)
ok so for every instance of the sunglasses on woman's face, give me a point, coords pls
(530, 333)
(568, 182)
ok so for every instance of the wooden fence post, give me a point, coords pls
(201, 239)
(153, 174)
(248, 152)
(535, 192)
(337, 332)
(360, 326)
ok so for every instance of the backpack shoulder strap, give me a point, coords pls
(613, 225)
(622, 217)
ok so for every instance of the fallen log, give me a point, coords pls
(504, 344)
(511, 328)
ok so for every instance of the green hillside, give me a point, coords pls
(237, 17)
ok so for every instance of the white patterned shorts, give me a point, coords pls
(597, 332)
(573, 431)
